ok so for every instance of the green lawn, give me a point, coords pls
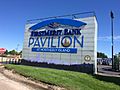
(68, 79)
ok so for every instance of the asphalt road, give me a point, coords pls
(107, 71)
(7, 84)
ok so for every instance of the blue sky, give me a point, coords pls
(15, 13)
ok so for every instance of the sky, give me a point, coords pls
(15, 13)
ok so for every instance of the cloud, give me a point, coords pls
(117, 38)
(108, 38)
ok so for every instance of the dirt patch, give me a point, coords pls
(11, 74)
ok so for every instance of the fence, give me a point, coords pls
(6, 60)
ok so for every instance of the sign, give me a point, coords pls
(65, 37)
(61, 41)
(2, 50)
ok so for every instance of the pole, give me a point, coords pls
(112, 17)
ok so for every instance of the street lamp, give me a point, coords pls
(112, 17)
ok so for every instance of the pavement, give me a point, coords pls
(106, 70)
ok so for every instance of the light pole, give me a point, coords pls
(112, 17)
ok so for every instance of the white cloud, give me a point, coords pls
(108, 38)
(117, 37)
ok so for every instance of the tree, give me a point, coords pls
(13, 52)
(117, 61)
(101, 55)
(6, 52)
(20, 52)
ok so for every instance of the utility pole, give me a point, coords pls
(112, 17)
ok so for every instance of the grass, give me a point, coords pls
(68, 79)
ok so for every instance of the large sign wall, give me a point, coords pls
(62, 41)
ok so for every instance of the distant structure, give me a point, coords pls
(2, 51)
(104, 61)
